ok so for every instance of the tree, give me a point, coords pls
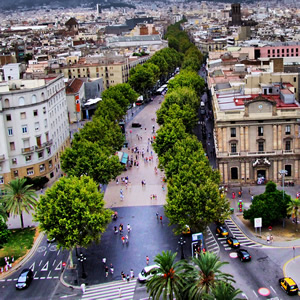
(159, 60)
(223, 291)
(203, 275)
(271, 206)
(72, 211)
(4, 233)
(168, 279)
(3, 212)
(19, 197)
(87, 158)
(173, 43)
(293, 209)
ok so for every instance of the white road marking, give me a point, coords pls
(58, 251)
(59, 266)
(45, 253)
(67, 296)
(255, 293)
(49, 274)
(54, 262)
(15, 279)
(34, 273)
(32, 267)
(9, 279)
(35, 278)
(244, 295)
(55, 277)
(42, 277)
(40, 262)
(273, 289)
(45, 267)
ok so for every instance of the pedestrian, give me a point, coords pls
(111, 269)
(82, 288)
(104, 260)
(252, 198)
(147, 260)
(268, 239)
(163, 187)
(131, 274)
(123, 276)
(128, 278)
(160, 219)
(115, 229)
(271, 238)
(233, 195)
(126, 239)
(123, 240)
(157, 215)
(142, 182)
(128, 228)
(117, 181)
(121, 191)
(106, 271)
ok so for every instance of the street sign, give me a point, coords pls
(197, 236)
(257, 222)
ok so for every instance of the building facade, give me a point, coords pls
(34, 127)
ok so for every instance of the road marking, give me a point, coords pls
(227, 248)
(45, 253)
(55, 277)
(2, 280)
(59, 266)
(58, 251)
(15, 279)
(40, 262)
(67, 296)
(9, 279)
(41, 249)
(34, 273)
(32, 267)
(45, 267)
(49, 274)
(255, 293)
(244, 295)
(273, 289)
(54, 262)
(49, 277)
(35, 278)
(42, 277)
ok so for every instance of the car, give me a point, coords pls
(243, 255)
(24, 279)
(289, 285)
(186, 229)
(147, 273)
(233, 242)
(136, 125)
(221, 230)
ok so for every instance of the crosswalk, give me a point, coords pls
(211, 243)
(236, 232)
(110, 291)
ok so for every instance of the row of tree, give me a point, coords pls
(201, 278)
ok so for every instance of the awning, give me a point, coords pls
(124, 158)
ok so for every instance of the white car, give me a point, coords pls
(145, 274)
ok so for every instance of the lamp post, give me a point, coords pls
(283, 173)
(82, 258)
(181, 242)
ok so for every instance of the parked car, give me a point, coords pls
(147, 273)
(221, 230)
(136, 125)
(24, 279)
(243, 255)
(186, 229)
(289, 285)
(233, 242)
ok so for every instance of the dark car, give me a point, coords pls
(136, 125)
(221, 230)
(243, 255)
(233, 242)
(24, 279)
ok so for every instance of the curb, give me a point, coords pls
(25, 259)
(64, 283)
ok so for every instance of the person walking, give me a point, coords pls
(106, 271)
(111, 269)
(160, 219)
(131, 274)
(268, 239)
(104, 260)
(147, 260)
(128, 278)
(128, 228)
(271, 238)
(157, 215)
(123, 276)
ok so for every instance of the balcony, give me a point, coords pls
(27, 150)
(43, 146)
(257, 153)
(2, 157)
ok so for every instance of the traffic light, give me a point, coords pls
(240, 205)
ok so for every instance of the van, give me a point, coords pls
(145, 274)
(202, 108)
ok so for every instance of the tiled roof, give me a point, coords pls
(74, 86)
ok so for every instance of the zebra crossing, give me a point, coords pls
(211, 243)
(110, 291)
(236, 232)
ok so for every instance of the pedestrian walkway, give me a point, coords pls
(108, 291)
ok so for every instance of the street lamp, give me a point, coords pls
(181, 242)
(82, 258)
(283, 173)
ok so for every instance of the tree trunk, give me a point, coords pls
(71, 258)
(22, 222)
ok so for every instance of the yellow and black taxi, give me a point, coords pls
(289, 285)
(233, 242)
(221, 230)
(186, 230)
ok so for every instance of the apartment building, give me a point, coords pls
(34, 127)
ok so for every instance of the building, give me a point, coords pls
(34, 127)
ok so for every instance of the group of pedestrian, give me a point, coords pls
(127, 277)
(153, 197)
(106, 268)
(8, 264)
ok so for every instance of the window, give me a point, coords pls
(45, 123)
(49, 151)
(14, 161)
(28, 158)
(287, 145)
(50, 164)
(288, 168)
(44, 109)
(233, 147)
(288, 129)
(260, 146)
(33, 99)
(233, 132)
(10, 131)
(37, 126)
(16, 173)
(30, 171)
(1, 180)
(8, 117)
(12, 146)
(260, 131)
(42, 168)
(234, 173)
(40, 154)
(24, 129)
(35, 113)
(295, 79)
(21, 101)
(23, 115)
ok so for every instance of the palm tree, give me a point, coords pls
(203, 274)
(168, 278)
(223, 291)
(293, 208)
(3, 212)
(19, 197)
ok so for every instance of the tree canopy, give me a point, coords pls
(271, 206)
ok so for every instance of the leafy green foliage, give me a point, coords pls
(168, 278)
(4, 233)
(19, 197)
(37, 182)
(72, 211)
(293, 208)
(271, 206)
(223, 291)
